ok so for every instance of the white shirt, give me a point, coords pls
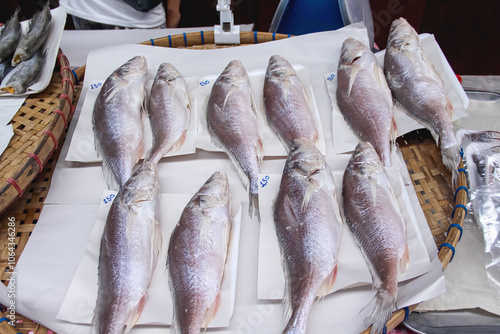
(115, 12)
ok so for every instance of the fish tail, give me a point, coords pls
(253, 205)
(381, 307)
(451, 159)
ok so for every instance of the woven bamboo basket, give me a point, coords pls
(444, 207)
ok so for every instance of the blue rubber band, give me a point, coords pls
(202, 38)
(458, 206)
(76, 76)
(461, 152)
(274, 36)
(255, 36)
(407, 312)
(463, 170)
(450, 246)
(289, 35)
(459, 227)
(185, 39)
(169, 40)
(152, 42)
(385, 330)
(4, 319)
(461, 188)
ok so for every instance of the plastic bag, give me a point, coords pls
(482, 156)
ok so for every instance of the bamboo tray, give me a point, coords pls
(444, 207)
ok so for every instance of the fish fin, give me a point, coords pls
(253, 104)
(393, 132)
(379, 76)
(451, 159)
(380, 310)
(109, 177)
(404, 262)
(253, 205)
(313, 184)
(119, 83)
(449, 108)
(354, 71)
(177, 145)
(212, 311)
(134, 315)
(157, 242)
(328, 283)
(232, 90)
(259, 149)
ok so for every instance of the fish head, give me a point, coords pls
(214, 193)
(352, 50)
(167, 72)
(305, 158)
(365, 159)
(279, 67)
(143, 185)
(402, 35)
(233, 74)
(134, 67)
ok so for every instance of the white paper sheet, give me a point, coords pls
(353, 269)
(52, 46)
(79, 303)
(345, 140)
(58, 243)
(270, 141)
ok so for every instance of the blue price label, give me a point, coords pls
(330, 78)
(95, 86)
(108, 199)
(204, 83)
(264, 181)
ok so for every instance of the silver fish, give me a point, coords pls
(130, 246)
(169, 111)
(197, 255)
(286, 104)
(21, 77)
(308, 226)
(38, 30)
(419, 89)
(5, 68)
(232, 123)
(364, 98)
(11, 33)
(117, 120)
(374, 217)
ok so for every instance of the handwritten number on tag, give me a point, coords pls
(264, 181)
(330, 78)
(95, 86)
(204, 83)
(108, 199)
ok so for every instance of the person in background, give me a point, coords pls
(117, 14)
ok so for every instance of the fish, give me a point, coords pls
(5, 68)
(9, 38)
(374, 218)
(117, 120)
(130, 246)
(232, 124)
(197, 255)
(38, 30)
(169, 111)
(365, 99)
(418, 88)
(21, 77)
(308, 226)
(286, 104)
